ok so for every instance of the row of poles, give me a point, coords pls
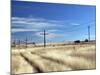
(26, 40)
(44, 33)
(19, 42)
(44, 36)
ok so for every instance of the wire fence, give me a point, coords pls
(23, 44)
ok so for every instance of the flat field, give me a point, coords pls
(53, 58)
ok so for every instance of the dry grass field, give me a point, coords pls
(53, 58)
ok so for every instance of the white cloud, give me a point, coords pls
(22, 30)
(21, 24)
(75, 24)
(53, 35)
(28, 19)
(35, 23)
(53, 30)
(50, 34)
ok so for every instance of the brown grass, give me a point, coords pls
(19, 65)
(49, 59)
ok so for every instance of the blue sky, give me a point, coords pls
(62, 22)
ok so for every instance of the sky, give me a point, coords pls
(62, 22)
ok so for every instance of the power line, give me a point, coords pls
(74, 28)
(82, 27)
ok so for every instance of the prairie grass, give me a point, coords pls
(72, 61)
(44, 65)
(19, 65)
(51, 59)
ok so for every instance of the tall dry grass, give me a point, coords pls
(43, 64)
(49, 59)
(19, 65)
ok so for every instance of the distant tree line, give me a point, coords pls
(78, 41)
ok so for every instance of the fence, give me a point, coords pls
(22, 44)
(26, 44)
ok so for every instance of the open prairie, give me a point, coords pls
(53, 58)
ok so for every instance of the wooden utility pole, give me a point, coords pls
(44, 38)
(14, 43)
(19, 42)
(44, 34)
(89, 33)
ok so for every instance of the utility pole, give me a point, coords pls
(26, 42)
(89, 33)
(14, 43)
(44, 38)
(44, 35)
(19, 42)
